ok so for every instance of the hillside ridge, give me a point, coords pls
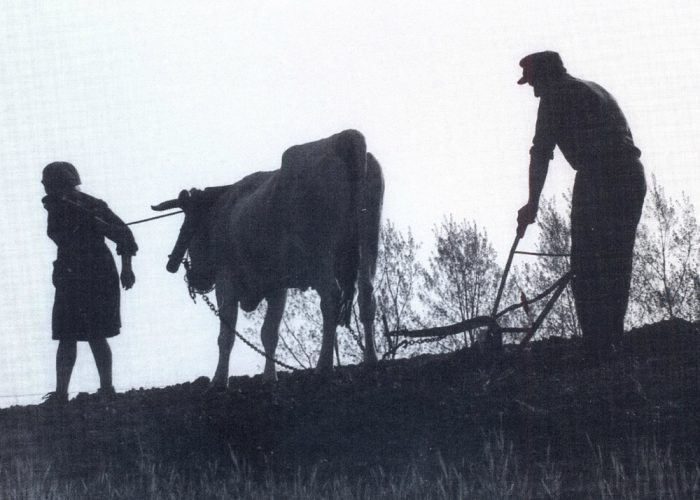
(545, 399)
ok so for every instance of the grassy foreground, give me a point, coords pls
(641, 471)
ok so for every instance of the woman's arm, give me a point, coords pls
(127, 275)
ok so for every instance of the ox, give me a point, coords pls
(313, 223)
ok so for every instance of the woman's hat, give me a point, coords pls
(60, 174)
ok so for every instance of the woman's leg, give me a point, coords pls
(65, 361)
(103, 359)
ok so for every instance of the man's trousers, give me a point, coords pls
(606, 207)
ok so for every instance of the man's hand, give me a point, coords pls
(526, 216)
(127, 277)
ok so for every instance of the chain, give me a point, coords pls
(190, 289)
(215, 310)
(408, 343)
(428, 340)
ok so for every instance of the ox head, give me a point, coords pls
(193, 237)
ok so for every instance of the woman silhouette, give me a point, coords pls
(86, 305)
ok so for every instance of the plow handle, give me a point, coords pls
(506, 270)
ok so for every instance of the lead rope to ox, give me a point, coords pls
(153, 218)
(215, 310)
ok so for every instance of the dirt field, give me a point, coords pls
(546, 400)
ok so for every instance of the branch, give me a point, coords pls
(300, 344)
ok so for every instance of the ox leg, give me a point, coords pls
(270, 330)
(330, 308)
(368, 310)
(228, 315)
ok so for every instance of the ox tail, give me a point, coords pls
(365, 245)
(369, 228)
(352, 148)
(369, 217)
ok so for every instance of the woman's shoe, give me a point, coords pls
(55, 399)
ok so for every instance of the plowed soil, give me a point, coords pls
(545, 399)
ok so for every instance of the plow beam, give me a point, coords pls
(443, 331)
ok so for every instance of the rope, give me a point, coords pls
(154, 218)
(81, 207)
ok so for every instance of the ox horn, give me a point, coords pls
(178, 202)
(186, 230)
(183, 240)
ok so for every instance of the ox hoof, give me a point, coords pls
(324, 371)
(201, 384)
(215, 389)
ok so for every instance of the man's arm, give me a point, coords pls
(541, 152)
(537, 175)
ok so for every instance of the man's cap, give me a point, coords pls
(541, 64)
(60, 174)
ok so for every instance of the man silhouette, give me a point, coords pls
(587, 125)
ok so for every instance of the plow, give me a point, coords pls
(494, 331)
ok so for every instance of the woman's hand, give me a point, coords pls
(128, 278)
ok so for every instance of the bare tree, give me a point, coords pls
(462, 277)
(667, 260)
(398, 280)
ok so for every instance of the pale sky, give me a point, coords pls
(147, 98)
